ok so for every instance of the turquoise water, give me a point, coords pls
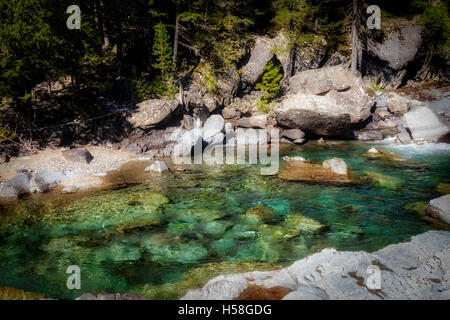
(152, 238)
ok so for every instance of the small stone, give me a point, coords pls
(293, 134)
(157, 166)
(336, 165)
(77, 155)
(373, 150)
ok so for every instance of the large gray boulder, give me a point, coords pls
(397, 104)
(264, 50)
(387, 59)
(187, 141)
(153, 112)
(440, 209)
(17, 186)
(415, 270)
(327, 101)
(77, 155)
(44, 180)
(425, 125)
(204, 92)
(213, 126)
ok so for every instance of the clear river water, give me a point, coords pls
(162, 235)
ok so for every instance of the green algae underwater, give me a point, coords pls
(174, 232)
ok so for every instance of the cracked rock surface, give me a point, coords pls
(413, 270)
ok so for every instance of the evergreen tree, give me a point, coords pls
(270, 85)
(162, 51)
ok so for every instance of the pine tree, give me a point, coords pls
(270, 85)
(162, 50)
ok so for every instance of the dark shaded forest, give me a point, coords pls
(127, 51)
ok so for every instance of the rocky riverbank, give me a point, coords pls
(418, 269)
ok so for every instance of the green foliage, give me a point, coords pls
(270, 86)
(270, 83)
(437, 28)
(5, 134)
(163, 88)
(163, 51)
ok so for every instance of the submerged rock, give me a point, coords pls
(440, 209)
(119, 210)
(309, 171)
(443, 188)
(302, 224)
(418, 207)
(383, 181)
(407, 272)
(166, 250)
(263, 213)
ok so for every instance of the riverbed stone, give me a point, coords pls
(310, 171)
(77, 155)
(17, 186)
(336, 165)
(293, 134)
(157, 166)
(213, 126)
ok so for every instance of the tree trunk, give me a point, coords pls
(175, 38)
(104, 28)
(355, 40)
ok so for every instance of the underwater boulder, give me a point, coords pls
(302, 224)
(417, 207)
(443, 188)
(120, 210)
(265, 214)
(383, 181)
(176, 252)
(315, 172)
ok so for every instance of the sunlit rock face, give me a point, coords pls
(325, 101)
(406, 271)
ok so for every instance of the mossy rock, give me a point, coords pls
(302, 224)
(443, 188)
(417, 207)
(166, 250)
(391, 159)
(383, 181)
(265, 214)
(314, 172)
(121, 210)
